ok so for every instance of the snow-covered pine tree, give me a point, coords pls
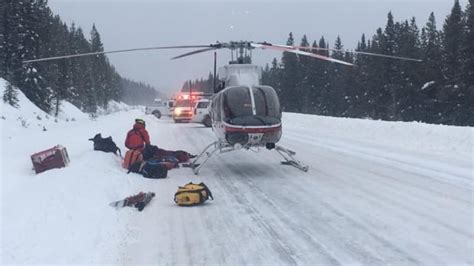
(98, 69)
(453, 61)
(10, 95)
(323, 79)
(23, 23)
(389, 91)
(469, 65)
(469, 45)
(289, 78)
(408, 81)
(337, 82)
(3, 41)
(303, 87)
(431, 75)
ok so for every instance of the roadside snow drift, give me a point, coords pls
(376, 193)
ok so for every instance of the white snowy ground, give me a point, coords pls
(376, 193)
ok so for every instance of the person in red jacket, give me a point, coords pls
(137, 137)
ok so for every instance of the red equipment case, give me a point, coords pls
(55, 157)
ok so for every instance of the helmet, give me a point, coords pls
(141, 121)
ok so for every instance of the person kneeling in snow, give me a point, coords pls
(137, 137)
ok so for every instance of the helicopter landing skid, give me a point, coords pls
(208, 152)
(289, 159)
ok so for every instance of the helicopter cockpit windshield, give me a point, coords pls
(238, 107)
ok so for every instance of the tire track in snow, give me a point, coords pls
(456, 180)
(402, 192)
(239, 172)
(302, 228)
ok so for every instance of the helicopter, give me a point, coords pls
(245, 114)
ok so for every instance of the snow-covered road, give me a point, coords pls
(377, 197)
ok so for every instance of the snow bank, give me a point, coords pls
(113, 107)
(60, 216)
(407, 135)
(28, 115)
(69, 112)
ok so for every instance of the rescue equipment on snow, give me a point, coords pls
(131, 157)
(105, 144)
(154, 169)
(192, 194)
(138, 201)
(55, 157)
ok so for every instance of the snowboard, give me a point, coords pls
(138, 201)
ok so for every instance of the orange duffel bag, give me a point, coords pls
(131, 157)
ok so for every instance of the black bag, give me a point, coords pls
(135, 168)
(149, 152)
(105, 144)
(154, 169)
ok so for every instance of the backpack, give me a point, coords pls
(132, 141)
(131, 157)
(153, 169)
(105, 144)
(170, 161)
(192, 194)
(149, 152)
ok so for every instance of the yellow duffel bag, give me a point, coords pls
(192, 194)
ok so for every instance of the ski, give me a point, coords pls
(139, 201)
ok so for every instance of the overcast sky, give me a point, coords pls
(143, 23)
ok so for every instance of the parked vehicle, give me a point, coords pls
(158, 108)
(170, 104)
(201, 112)
(183, 110)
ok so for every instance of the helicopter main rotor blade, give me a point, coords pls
(115, 51)
(359, 52)
(293, 49)
(194, 52)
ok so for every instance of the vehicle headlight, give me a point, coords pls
(177, 111)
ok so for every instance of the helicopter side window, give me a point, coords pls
(266, 102)
(216, 112)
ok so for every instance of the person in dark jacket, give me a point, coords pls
(137, 137)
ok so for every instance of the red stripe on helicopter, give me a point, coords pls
(252, 129)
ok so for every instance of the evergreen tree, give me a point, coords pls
(469, 46)
(389, 96)
(408, 81)
(375, 88)
(467, 101)
(288, 96)
(454, 92)
(98, 71)
(431, 74)
(324, 81)
(3, 41)
(10, 95)
(453, 30)
(431, 51)
(303, 87)
(359, 85)
(337, 80)
(23, 22)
